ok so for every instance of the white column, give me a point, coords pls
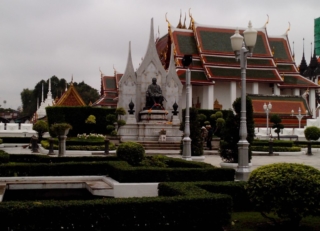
(296, 91)
(276, 89)
(255, 88)
(207, 97)
(312, 102)
(233, 93)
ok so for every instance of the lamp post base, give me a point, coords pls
(186, 154)
(243, 169)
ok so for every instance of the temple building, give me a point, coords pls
(271, 74)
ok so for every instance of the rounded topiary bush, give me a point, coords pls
(312, 133)
(131, 152)
(290, 191)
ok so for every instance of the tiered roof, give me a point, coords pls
(213, 57)
(109, 90)
(70, 98)
(281, 105)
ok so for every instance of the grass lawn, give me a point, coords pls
(253, 221)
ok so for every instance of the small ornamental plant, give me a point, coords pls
(59, 128)
(131, 152)
(91, 119)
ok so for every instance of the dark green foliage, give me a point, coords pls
(76, 116)
(276, 120)
(287, 190)
(230, 132)
(18, 140)
(41, 127)
(54, 169)
(131, 152)
(157, 213)
(176, 170)
(275, 149)
(235, 189)
(276, 143)
(32, 158)
(154, 161)
(4, 157)
(201, 119)
(1, 141)
(195, 133)
(312, 133)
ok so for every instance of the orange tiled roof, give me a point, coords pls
(70, 98)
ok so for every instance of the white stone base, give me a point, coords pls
(150, 132)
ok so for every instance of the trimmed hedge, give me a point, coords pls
(235, 189)
(4, 157)
(124, 172)
(276, 149)
(76, 116)
(159, 213)
(16, 140)
(276, 143)
(54, 169)
(31, 158)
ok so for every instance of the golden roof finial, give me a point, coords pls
(184, 23)
(288, 28)
(169, 25)
(265, 25)
(191, 20)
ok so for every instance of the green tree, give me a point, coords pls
(87, 93)
(195, 133)
(276, 120)
(30, 97)
(41, 127)
(28, 102)
(230, 132)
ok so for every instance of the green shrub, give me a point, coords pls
(4, 157)
(131, 152)
(312, 133)
(290, 191)
(110, 128)
(1, 141)
(155, 161)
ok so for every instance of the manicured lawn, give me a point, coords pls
(253, 221)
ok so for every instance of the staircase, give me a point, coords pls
(156, 145)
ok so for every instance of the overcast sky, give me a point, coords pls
(42, 38)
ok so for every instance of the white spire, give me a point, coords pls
(42, 94)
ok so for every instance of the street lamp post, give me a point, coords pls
(186, 153)
(267, 109)
(241, 52)
(299, 116)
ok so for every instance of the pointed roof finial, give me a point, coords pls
(100, 72)
(265, 25)
(169, 25)
(293, 55)
(191, 20)
(179, 24)
(114, 69)
(184, 23)
(288, 28)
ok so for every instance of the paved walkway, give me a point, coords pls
(211, 157)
